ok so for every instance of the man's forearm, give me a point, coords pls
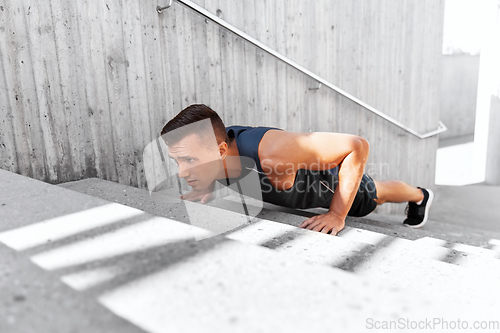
(350, 174)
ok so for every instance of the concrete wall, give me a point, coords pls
(87, 84)
(459, 94)
(487, 131)
(492, 176)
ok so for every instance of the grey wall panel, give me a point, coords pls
(459, 95)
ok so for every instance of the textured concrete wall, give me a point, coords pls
(459, 94)
(87, 84)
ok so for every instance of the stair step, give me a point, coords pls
(464, 255)
(492, 253)
(387, 224)
(471, 234)
(495, 244)
(372, 237)
(57, 228)
(335, 251)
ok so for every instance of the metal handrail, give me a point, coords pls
(441, 127)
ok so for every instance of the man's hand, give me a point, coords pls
(203, 196)
(195, 196)
(325, 223)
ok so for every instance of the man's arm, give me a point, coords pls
(322, 151)
(350, 174)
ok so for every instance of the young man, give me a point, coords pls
(298, 170)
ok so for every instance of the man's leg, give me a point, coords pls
(396, 191)
(419, 200)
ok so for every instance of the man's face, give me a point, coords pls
(199, 162)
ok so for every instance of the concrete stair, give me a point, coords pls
(124, 261)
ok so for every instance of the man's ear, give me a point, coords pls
(223, 149)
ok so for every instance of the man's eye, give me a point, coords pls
(190, 160)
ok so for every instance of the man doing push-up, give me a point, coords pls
(297, 170)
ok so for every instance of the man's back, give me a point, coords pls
(304, 189)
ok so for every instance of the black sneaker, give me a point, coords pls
(417, 214)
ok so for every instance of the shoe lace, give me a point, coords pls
(413, 210)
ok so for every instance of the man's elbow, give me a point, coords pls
(362, 146)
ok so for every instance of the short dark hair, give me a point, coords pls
(190, 115)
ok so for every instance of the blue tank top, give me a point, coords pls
(307, 190)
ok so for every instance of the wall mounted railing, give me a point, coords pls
(214, 18)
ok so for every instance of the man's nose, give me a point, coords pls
(183, 171)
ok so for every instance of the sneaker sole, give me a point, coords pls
(426, 216)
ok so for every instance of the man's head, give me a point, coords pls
(197, 140)
(191, 115)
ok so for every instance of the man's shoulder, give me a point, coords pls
(242, 128)
(249, 133)
(277, 146)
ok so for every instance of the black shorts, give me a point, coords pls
(364, 203)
